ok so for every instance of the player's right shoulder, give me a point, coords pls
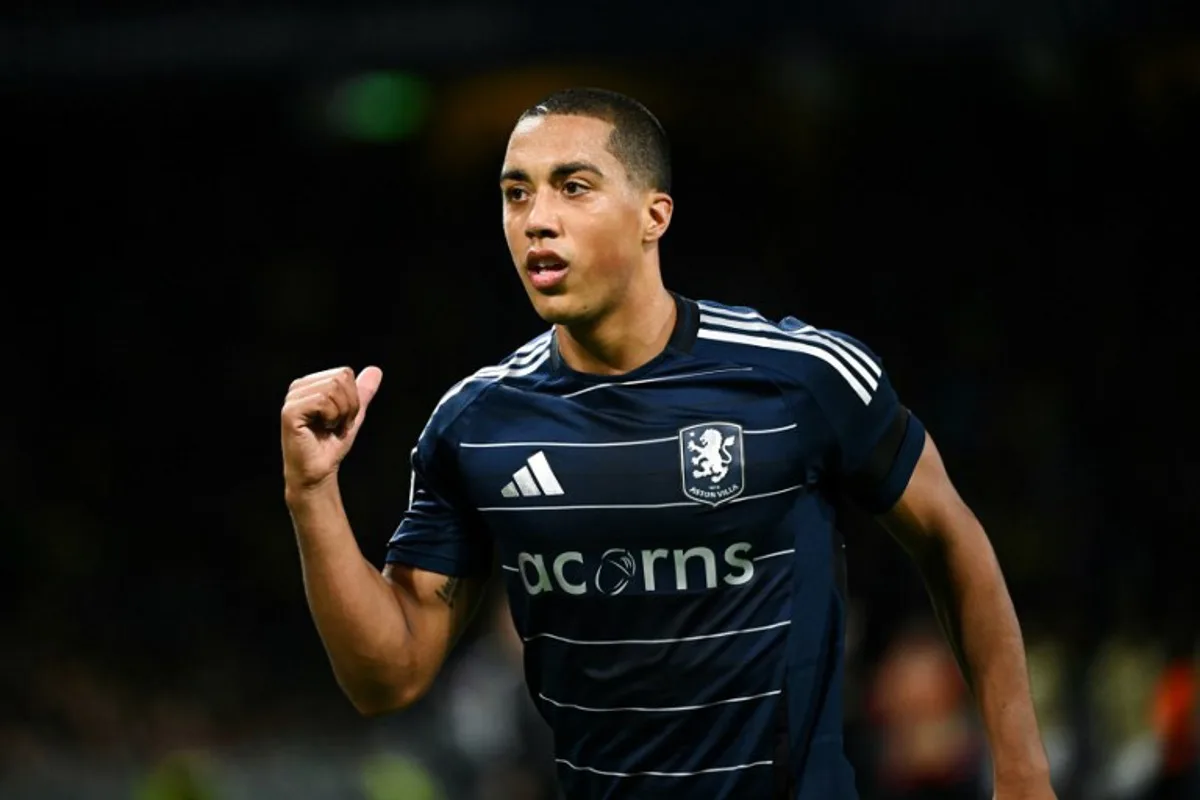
(523, 362)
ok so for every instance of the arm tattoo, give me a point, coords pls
(449, 591)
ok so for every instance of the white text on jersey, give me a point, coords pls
(618, 569)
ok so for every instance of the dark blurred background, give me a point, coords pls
(209, 201)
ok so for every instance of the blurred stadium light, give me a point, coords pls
(384, 106)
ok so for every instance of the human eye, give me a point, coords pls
(515, 194)
(574, 188)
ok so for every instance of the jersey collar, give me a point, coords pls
(687, 324)
(683, 339)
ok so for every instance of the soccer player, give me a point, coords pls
(656, 477)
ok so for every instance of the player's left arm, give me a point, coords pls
(950, 547)
(883, 455)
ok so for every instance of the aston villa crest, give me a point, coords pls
(711, 462)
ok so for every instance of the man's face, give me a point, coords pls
(575, 224)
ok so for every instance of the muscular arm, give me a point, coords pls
(968, 591)
(388, 634)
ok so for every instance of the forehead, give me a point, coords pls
(539, 143)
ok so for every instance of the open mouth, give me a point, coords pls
(546, 271)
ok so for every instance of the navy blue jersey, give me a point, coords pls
(667, 540)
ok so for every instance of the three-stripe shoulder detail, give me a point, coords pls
(524, 361)
(751, 329)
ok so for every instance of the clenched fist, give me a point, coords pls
(321, 417)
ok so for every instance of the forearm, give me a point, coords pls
(357, 615)
(976, 612)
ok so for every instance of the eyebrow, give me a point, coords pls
(559, 172)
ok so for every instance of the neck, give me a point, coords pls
(627, 337)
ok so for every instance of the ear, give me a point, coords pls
(657, 216)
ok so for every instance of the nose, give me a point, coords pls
(542, 222)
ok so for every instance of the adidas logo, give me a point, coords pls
(533, 480)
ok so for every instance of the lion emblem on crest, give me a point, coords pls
(712, 457)
(712, 461)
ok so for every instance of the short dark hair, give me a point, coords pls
(638, 139)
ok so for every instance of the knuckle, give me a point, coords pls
(299, 384)
(314, 377)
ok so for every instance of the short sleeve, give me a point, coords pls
(439, 531)
(872, 441)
